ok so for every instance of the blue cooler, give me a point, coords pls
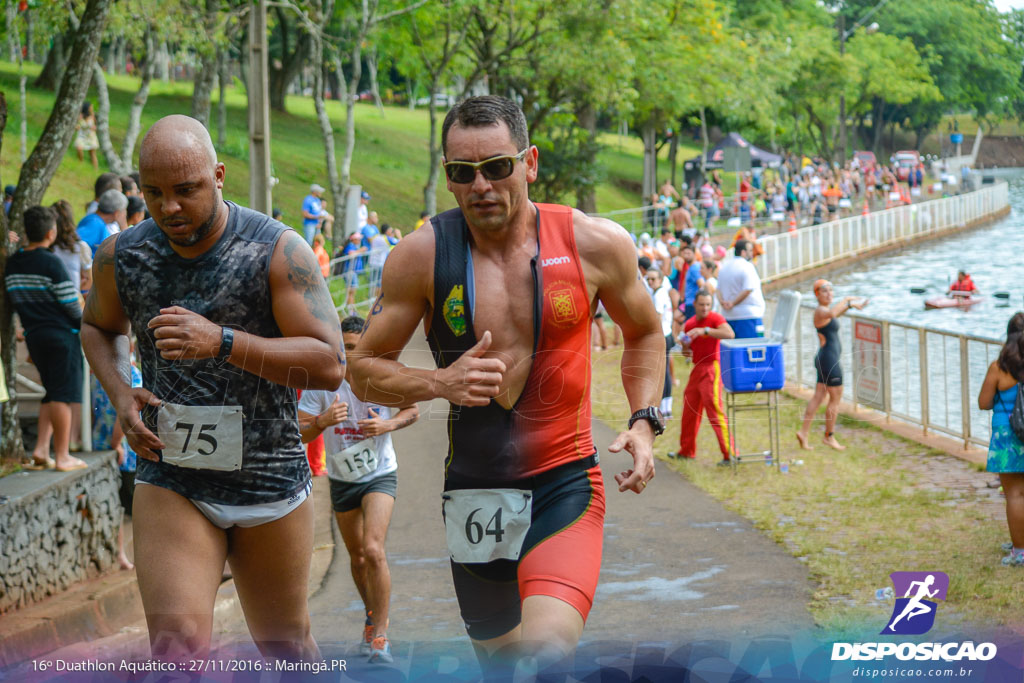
(758, 364)
(752, 364)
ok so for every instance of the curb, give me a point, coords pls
(105, 614)
(911, 432)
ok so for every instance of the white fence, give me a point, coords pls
(795, 252)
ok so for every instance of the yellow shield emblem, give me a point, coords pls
(454, 311)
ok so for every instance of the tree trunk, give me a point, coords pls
(223, 76)
(243, 57)
(340, 216)
(350, 115)
(36, 174)
(53, 69)
(433, 170)
(108, 56)
(371, 64)
(30, 51)
(877, 125)
(649, 135)
(202, 84)
(103, 122)
(202, 87)
(673, 152)
(705, 143)
(11, 15)
(138, 104)
(116, 51)
(334, 84)
(22, 113)
(291, 62)
(11, 446)
(327, 131)
(586, 196)
(163, 58)
(42, 163)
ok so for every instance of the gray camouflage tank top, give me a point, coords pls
(228, 285)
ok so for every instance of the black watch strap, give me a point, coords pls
(227, 342)
(652, 415)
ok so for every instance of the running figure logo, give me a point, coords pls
(914, 613)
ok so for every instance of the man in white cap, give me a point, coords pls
(364, 211)
(314, 217)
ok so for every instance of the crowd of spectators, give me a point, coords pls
(801, 191)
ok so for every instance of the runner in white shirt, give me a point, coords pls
(361, 466)
(666, 301)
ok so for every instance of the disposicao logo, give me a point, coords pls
(914, 614)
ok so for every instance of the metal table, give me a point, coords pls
(770, 406)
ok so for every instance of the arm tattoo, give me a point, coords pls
(304, 274)
(103, 266)
(378, 306)
(404, 422)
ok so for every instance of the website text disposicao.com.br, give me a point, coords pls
(956, 659)
(904, 673)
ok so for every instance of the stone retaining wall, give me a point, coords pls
(60, 533)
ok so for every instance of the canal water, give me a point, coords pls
(993, 255)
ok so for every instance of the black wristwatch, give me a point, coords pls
(227, 341)
(652, 415)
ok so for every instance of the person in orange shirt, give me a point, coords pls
(322, 257)
(747, 232)
(832, 195)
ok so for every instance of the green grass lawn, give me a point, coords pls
(853, 517)
(390, 161)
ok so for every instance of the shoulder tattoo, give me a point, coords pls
(305, 277)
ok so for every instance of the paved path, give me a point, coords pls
(677, 565)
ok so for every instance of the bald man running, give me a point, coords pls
(505, 290)
(231, 315)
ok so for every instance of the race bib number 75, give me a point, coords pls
(201, 437)
(486, 524)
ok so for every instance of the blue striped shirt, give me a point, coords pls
(42, 291)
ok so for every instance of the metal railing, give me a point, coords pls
(807, 248)
(354, 282)
(636, 220)
(918, 375)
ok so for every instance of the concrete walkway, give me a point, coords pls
(677, 566)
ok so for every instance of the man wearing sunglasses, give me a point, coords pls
(506, 290)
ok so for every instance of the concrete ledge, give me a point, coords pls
(906, 430)
(57, 528)
(105, 614)
(89, 610)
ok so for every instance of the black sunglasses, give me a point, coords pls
(495, 168)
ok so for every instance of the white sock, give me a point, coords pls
(666, 405)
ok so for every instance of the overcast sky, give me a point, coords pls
(1004, 5)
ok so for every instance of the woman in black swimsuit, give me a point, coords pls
(826, 362)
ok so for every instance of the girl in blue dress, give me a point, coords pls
(1005, 451)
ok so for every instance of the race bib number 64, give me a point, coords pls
(486, 524)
